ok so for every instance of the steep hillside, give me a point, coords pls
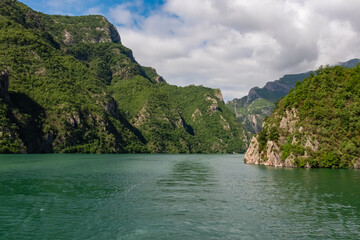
(73, 87)
(316, 125)
(259, 103)
(56, 102)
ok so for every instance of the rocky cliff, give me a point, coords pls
(316, 125)
(268, 151)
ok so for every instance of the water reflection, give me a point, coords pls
(190, 182)
(188, 196)
(189, 175)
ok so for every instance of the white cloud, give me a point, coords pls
(238, 44)
(95, 11)
(127, 14)
(121, 15)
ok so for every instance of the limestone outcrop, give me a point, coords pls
(270, 153)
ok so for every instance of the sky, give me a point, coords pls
(233, 45)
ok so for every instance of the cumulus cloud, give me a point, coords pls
(235, 45)
(128, 14)
(121, 15)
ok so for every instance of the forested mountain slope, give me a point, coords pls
(71, 86)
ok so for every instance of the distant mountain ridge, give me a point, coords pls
(251, 110)
(68, 85)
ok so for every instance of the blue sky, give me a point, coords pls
(79, 7)
(233, 45)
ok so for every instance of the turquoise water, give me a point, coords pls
(173, 197)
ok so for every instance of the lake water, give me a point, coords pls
(173, 197)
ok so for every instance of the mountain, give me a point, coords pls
(260, 102)
(316, 125)
(67, 84)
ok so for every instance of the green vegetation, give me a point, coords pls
(75, 88)
(202, 109)
(9, 139)
(326, 131)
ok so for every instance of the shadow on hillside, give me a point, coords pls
(29, 117)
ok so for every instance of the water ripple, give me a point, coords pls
(173, 197)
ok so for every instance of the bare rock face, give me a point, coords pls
(219, 95)
(114, 34)
(271, 156)
(357, 164)
(196, 114)
(214, 106)
(289, 120)
(255, 121)
(252, 155)
(252, 95)
(278, 87)
(141, 118)
(312, 144)
(159, 79)
(4, 85)
(224, 123)
(68, 39)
